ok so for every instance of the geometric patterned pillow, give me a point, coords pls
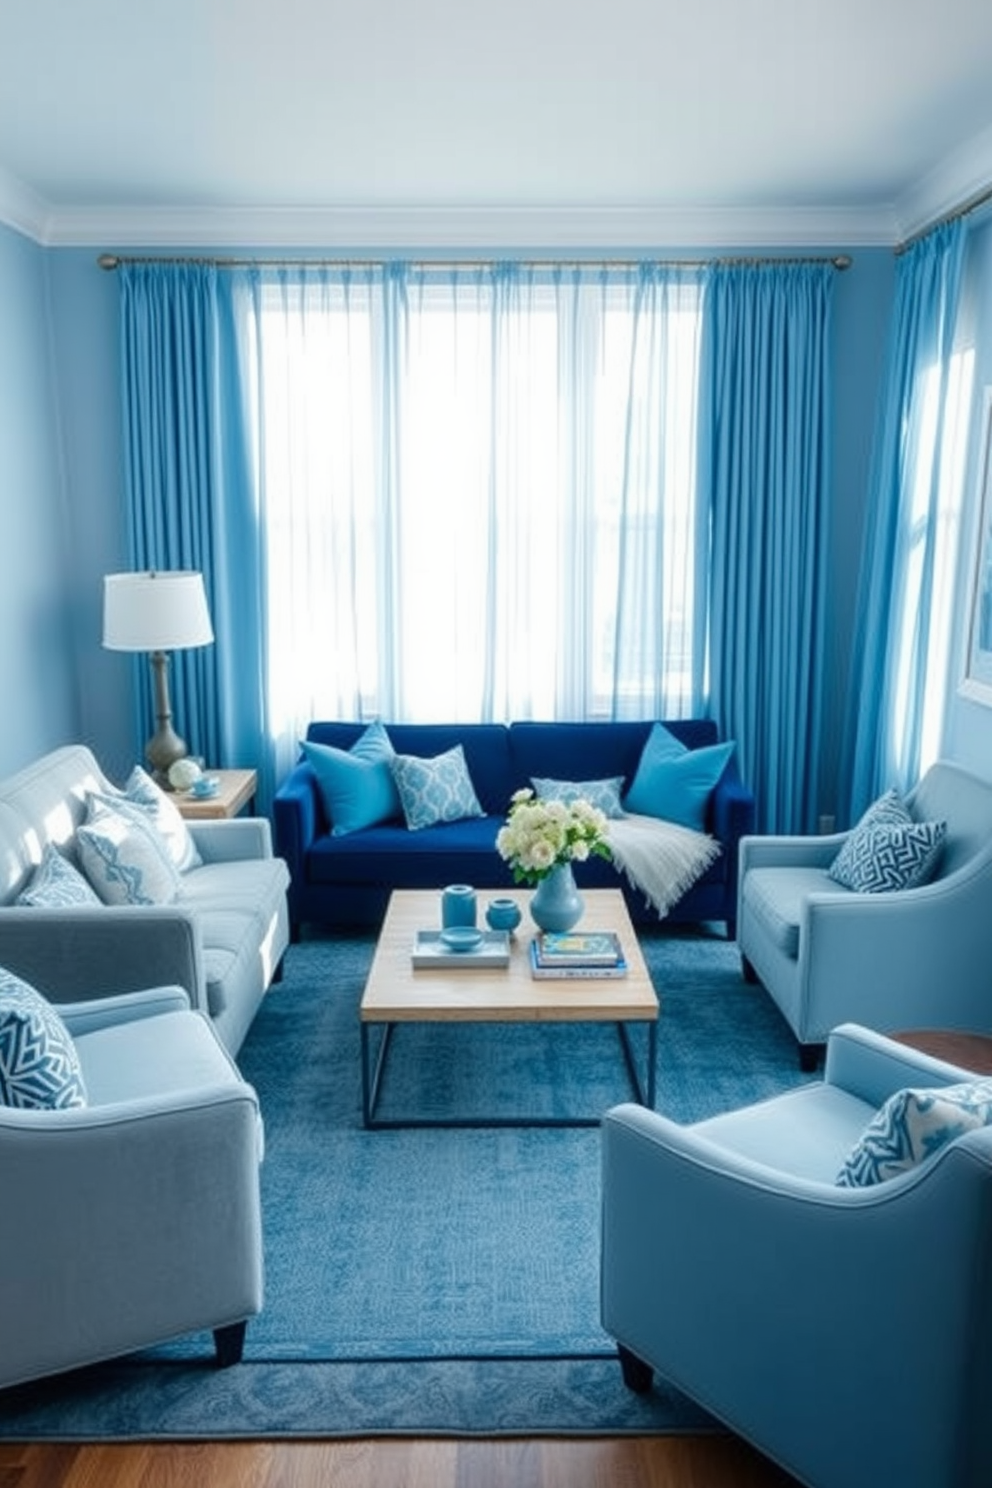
(435, 790)
(55, 883)
(911, 1126)
(124, 855)
(142, 793)
(892, 857)
(603, 794)
(876, 855)
(39, 1067)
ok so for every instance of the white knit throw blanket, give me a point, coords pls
(661, 859)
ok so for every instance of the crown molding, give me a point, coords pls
(22, 209)
(958, 179)
(589, 229)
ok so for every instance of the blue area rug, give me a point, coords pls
(426, 1281)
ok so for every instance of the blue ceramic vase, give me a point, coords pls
(557, 904)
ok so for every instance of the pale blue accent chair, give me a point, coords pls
(845, 1332)
(907, 958)
(136, 1218)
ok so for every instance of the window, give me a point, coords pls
(479, 491)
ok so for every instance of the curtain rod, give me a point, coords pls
(112, 261)
(969, 205)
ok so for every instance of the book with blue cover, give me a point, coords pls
(579, 948)
(562, 967)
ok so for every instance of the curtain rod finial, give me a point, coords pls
(108, 261)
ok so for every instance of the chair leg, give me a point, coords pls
(748, 972)
(279, 972)
(637, 1375)
(809, 1057)
(229, 1343)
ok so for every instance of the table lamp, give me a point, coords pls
(157, 612)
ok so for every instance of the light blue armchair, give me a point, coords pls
(135, 1218)
(845, 1332)
(912, 958)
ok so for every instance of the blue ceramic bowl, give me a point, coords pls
(503, 914)
(461, 938)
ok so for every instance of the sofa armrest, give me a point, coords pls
(125, 1007)
(230, 841)
(789, 851)
(69, 954)
(296, 815)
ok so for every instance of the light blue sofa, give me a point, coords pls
(912, 958)
(222, 940)
(846, 1332)
(135, 1218)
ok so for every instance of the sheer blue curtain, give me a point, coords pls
(765, 437)
(477, 491)
(894, 665)
(189, 497)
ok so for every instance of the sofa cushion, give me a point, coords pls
(56, 884)
(356, 784)
(435, 790)
(39, 1064)
(124, 856)
(775, 896)
(887, 850)
(603, 794)
(675, 783)
(913, 1125)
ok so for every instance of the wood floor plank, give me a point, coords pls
(624, 1462)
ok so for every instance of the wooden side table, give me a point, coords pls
(970, 1051)
(236, 789)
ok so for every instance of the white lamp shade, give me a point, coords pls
(155, 611)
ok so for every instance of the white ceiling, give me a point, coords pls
(446, 121)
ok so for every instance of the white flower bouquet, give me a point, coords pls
(539, 836)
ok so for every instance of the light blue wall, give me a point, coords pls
(39, 704)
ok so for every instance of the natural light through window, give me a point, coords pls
(479, 495)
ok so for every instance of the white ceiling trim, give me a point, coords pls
(483, 229)
(960, 178)
(22, 209)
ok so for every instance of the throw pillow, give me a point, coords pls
(356, 784)
(912, 1126)
(603, 794)
(39, 1066)
(675, 783)
(56, 884)
(142, 790)
(887, 850)
(124, 856)
(435, 790)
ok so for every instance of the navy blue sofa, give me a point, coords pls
(346, 880)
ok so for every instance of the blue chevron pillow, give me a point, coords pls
(888, 850)
(912, 1126)
(39, 1066)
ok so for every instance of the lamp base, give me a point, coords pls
(165, 746)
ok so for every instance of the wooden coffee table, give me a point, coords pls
(397, 992)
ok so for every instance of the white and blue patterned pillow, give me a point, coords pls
(39, 1066)
(142, 794)
(435, 790)
(56, 884)
(124, 855)
(887, 849)
(603, 794)
(912, 1126)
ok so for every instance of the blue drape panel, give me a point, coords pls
(189, 501)
(883, 732)
(764, 442)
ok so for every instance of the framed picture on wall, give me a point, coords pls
(977, 682)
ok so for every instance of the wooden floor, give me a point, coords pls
(654, 1462)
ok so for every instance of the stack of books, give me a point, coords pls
(590, 953)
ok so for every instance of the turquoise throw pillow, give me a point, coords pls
(912, 1126)
(39, 1066)
(675, 783)
(356, 784)
(435, 790)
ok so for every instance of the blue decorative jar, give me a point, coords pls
(503, 914)
(557, 904)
